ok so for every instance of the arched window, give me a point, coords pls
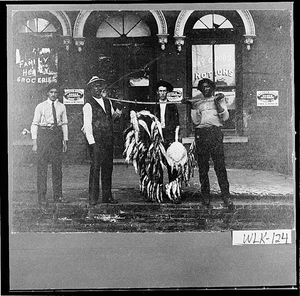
(37, 25)
(124, 25)
(214, 54)
(213, 21)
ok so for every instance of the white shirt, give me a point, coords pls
(209, 114)
(162, 114)
(43, 117)
(88, 116)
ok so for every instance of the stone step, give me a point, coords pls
(142, 217)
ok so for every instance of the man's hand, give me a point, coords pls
(119, 106)
(65, 146)
(185, 101)
(94, 147)
(217, 99)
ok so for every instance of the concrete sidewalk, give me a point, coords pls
(262, 200)
(244, 184)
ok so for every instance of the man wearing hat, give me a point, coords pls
(49, 132)
(208, 116)
(168, 116)
(98, 117)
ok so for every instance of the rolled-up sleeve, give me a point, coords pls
(35, 122)
(225, 114)
(87, 123)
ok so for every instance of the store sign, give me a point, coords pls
(175, 95)
(73, 96)
(39, 65)
(267, 98)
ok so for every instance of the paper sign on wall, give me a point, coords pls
(175, 95)
(73, 96)
(267, 98)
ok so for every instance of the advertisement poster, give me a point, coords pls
(267, 98)
(175, 95)
(73, 97)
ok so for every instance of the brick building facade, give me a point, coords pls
(247, 52)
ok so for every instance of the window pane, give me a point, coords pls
(201, 63)
(207, 20)
(225, 64)
(226, 25)
(105, 30)
(140, 30)
(49, 29)
(199, 25)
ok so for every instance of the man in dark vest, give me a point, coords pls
(168, 116)
(98, 117)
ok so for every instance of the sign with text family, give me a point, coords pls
(36, 65)
(267, 98)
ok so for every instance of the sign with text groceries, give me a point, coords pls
(262, 237)
(36, 65)
(267, 98)
(73, 97)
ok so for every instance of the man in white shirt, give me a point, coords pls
(98, 117)
(49, 132)
(209, 115)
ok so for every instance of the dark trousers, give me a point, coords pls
(209, 143)
(49, 151)
(101, 155)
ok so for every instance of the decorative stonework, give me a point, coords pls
(79, 42)
(162, 40)
(179, 41)
(67, 40)
(64, 21)
(181, 21)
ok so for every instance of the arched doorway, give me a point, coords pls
(120, 47)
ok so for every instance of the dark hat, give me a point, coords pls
(52, 85)
(206, 80)
(95, 79)
(166, 84)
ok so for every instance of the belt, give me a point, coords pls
(52, 127)
(208, 127)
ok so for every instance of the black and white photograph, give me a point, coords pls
(151, 146)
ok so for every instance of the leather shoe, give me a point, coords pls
(227, 201)
(110, 200)
(93, 202)
(206, 200)
(177, 201)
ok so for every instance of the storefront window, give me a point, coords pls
(213, 56)
(216, 62)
